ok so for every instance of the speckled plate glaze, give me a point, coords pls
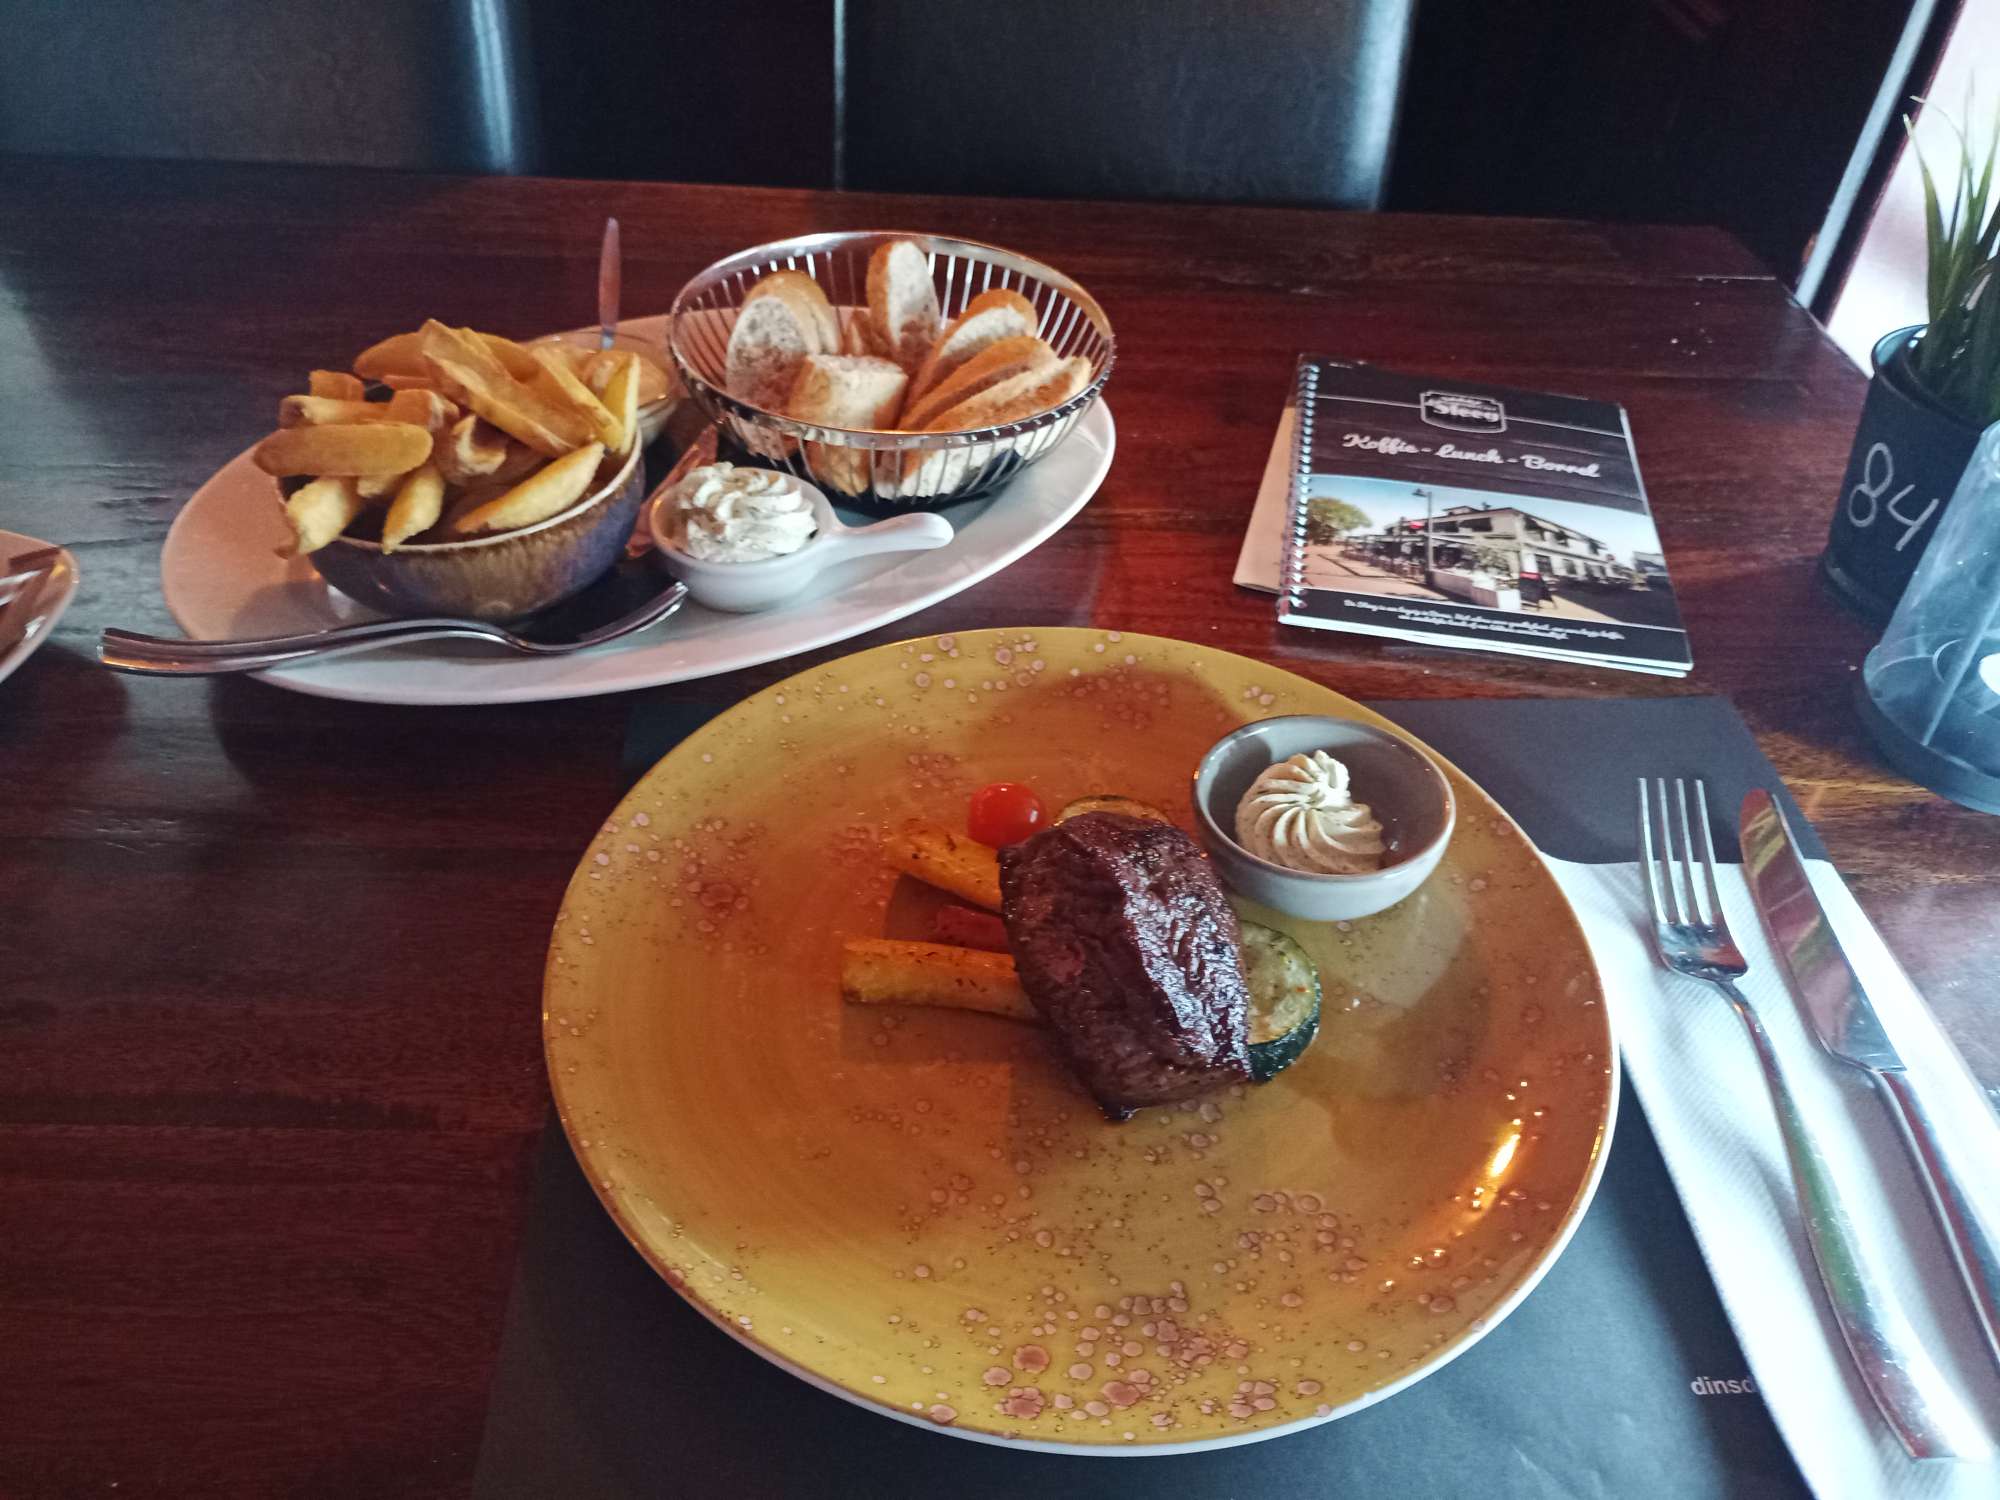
(922, 1212)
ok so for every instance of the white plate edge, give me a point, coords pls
(315, 682)
(29, 645)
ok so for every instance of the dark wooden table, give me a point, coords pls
(269, 1055)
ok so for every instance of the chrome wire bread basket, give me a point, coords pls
(902, 471)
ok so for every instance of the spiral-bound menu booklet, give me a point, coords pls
(1457, 514)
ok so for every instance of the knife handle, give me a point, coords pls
(1971, 1246)
(1929, 1418)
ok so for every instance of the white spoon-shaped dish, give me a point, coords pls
(742, 588)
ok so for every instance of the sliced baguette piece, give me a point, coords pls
(902, 303)
(844, 390)
(1018, 399)
(999, 361)
(806, 300)
(860, 337)
(987, 319)
(1012, 400)
(765, 347)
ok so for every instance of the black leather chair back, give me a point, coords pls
(436, 85)
(1288, 101)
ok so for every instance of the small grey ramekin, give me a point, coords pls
(1401, 785)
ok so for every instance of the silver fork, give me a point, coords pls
(163, 656)
(1692, 937)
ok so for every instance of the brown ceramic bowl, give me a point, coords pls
(500, 577)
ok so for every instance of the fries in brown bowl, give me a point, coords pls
(465, 410)
(459, 472)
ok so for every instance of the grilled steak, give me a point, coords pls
(1126, 944)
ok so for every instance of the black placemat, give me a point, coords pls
(1567, 769)
(608, 1385)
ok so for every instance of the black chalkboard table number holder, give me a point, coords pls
(1909, 453)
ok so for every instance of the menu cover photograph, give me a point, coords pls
(1459, 514)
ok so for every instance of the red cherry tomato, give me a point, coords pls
(1005, 812)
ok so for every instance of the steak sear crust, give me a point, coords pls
(1126, 944)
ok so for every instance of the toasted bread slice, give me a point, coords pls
(902, 303)
(806, 300)
(1017, 399)
(1002, 360)
(987, 319)
(765, 347)
(860, 337)
(845, 390)
(1012, 400)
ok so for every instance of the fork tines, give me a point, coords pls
(1670, 877)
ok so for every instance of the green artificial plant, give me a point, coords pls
(1958, 355)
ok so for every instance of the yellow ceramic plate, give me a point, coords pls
(922, 1211)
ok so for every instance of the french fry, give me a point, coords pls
(336, 385)
(878, 971)
(379, 487)
(463, 504)
(470, 450)
(549, 491)
(348, 449)
(422, 408)
(423, 382)
(950, 861)
(399, 354)
(518, 463)
(399, 358)
(559, 382)
(514, 358)
(415, 508)
(594, 367)
(577, 356)
(469, 372)
(655, 384)
(319, 512)
(327, 411)
(621, 400)
(498, 406)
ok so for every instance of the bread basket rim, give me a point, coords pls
(887, 439)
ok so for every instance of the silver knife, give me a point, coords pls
(610, 276)
(1840, 1015)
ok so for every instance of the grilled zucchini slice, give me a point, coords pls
(1132, 807)
(1284, 1000)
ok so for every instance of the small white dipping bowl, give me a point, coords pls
(745, 587)
(1401, 786)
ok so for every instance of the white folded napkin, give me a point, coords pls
(1691, 1063)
